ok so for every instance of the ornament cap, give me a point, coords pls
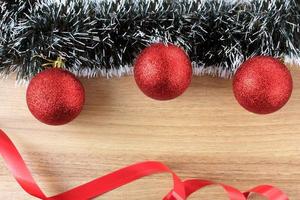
(58, 63)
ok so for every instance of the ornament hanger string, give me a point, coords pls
(58, 63)
(181, 189)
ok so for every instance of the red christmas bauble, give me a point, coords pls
(262, 85)
(55, 96)
(163, 72)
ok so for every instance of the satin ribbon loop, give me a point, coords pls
(267, 191)
(17, 167)
(97, 187)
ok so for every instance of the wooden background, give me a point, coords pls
(203, 134)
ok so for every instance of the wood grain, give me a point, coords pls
(203, 134)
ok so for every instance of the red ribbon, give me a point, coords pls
(181, 189)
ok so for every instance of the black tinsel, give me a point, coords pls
(103, 37)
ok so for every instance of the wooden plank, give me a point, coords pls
(203, 134)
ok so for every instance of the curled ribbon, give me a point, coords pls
(97, 187)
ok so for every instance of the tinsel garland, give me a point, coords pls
(103, 37)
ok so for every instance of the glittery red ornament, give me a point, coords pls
(55, 96)
(262, 85)
(163, 72)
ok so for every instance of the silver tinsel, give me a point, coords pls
(103, 37)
